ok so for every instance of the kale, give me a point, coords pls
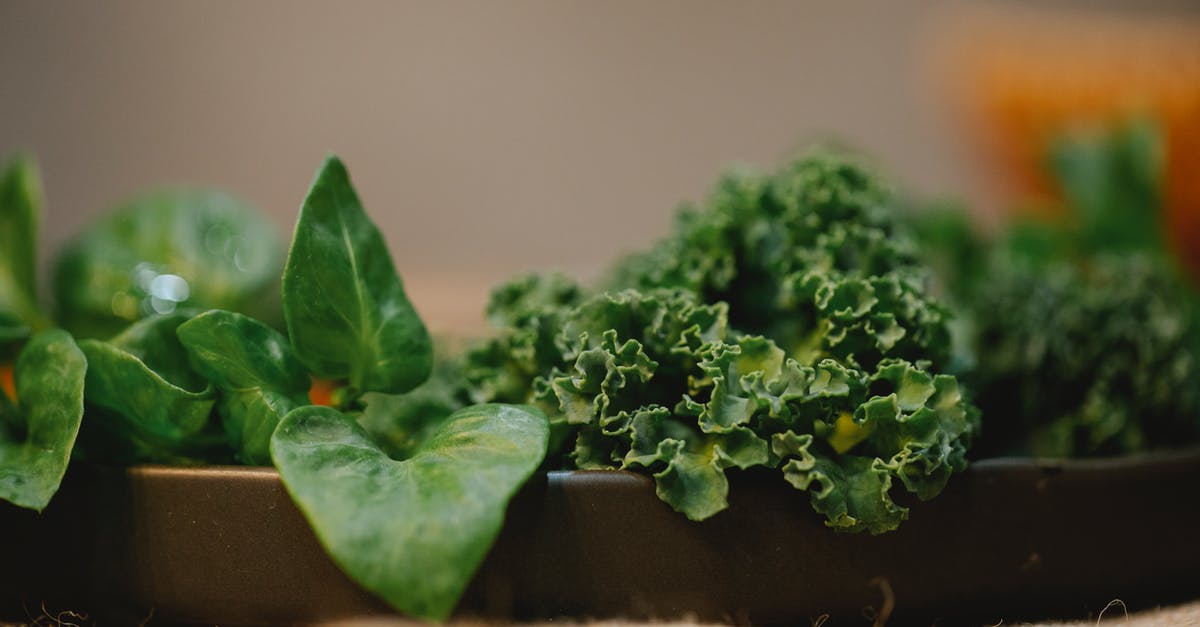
(785, 326)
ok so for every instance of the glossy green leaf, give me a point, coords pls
(164, 251)
(149, 398)
(37, 435)
(20, 215)
(412, 531)
(253, 367)
(346, 311)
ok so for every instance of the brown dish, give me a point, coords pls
(1009, 539)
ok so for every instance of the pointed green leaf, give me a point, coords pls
(253, 367)
(36, 442)
(412, 531)
(149, 396)
(346, 310)
(20, 215)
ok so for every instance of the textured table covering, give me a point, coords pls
(1186, 615)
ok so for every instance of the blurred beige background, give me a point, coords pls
(486, 138)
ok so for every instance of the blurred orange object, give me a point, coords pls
(1030, 75)
(321, 392)
(6, 381)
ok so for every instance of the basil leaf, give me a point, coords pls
(199, 249)
(412, 531)
(253, 366)
(150, 401)
(346, 310)
(20, 213)
(36, 439)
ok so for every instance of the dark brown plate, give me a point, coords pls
(1008, 539)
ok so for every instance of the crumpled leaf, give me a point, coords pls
(145, 403)
(654, 381)
(787, 304)
(413, 530)
(38, 433)
(259, 379)
(810, 257)
(851, 491)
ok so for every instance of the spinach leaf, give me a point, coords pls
(153, 407)
(37, 434)
(412, 531)
(346, 310)
(163, 251)
(20, 213)
(253, 366)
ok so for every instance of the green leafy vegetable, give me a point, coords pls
(408, 503)
(163, 251)
(810, 257)
(253, 367)
(145, 402)
(1079, 337)
(1099, 358)
(787, 325)
(38, 433)
(656, 381)
(20, 213)
(347, 314)
(412, 531)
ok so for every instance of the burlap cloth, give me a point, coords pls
(1187, 614)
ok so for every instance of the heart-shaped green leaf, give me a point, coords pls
(20, 213)
(346, 311)
(412, 531)
(37, 435)
(149, 399)
(253, 367)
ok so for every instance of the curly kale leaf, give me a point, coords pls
(811, 257)
(527, 313)
(785, 325)
(1094, 358)
(656, 381)
(1079, 337)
